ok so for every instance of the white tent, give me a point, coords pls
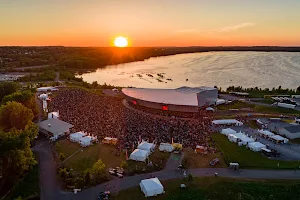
(220, 101)
(54, 115)
(256, 146)
(227, 122)
(227, 131)
(43, 96)
(139, 155)
(85, 141)
(146, 146)
(151, 187)
(210, 109)
(244, 138)
(266, 133)
(75, 137)
(232, 138)
(45, 89)
(166, 147)
(279, 138)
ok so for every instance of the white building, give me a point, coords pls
(256, 146)
(227, 122)
(146, 146)
(166, 147)
(291, 132)
(228, 131)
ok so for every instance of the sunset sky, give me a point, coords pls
(150, 22)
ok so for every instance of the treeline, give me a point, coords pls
(256, 91)
(17, 132)
(93, 57)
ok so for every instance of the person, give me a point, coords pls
(216, 174)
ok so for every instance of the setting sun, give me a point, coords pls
(120, 42)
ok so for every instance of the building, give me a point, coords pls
(184, 99)
(290, 132)
(54, 128)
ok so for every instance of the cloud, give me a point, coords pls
(236, 27)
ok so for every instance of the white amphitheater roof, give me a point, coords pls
(182, 96)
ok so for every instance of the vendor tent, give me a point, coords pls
(151, 187)
(139, 155)
(146, 146)
(228, 131)
(166, 147)
(43, 96)
(227, 122)
(75, 137)
(266, 133)
(279, 139)
(256, 146)
(244, 139)
(85, 141)
(232, 138)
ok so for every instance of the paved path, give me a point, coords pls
(133, 181)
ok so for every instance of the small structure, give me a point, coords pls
(139, 155)
(233, 138)
(75, 137)
(46, 89)
(227, 122)
(151, 187)
(234, 166)
(200, 149)
(115, 90)
(220, 101)
(228, 131)
(256, 146)
(279, 139)
(85, 141)
(266, 133)
(146, 146)
(210, 109)
(43, 97)
(54, 128)
(286, 105)
(54, 115)
(166, 147)
(291, 132)
(109, 140)
(177, 146)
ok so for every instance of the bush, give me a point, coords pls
(190, 177)
(62, 157)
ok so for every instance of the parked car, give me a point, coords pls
(214, 162)
(103, 195)
(116, 172)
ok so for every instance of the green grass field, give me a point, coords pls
(86, 157)
(247, 158)
(257, 108)
(217, 188)
(266, 101)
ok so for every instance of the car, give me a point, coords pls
(114, 172)
(214, 162)
(103, 195)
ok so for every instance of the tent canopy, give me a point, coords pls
(228, 131)
(166, 147)
(227, 122)
(75, 137)
(139, 155)
(151, 187)
(256, 146)
(146, 146)
(266, 133)
(279, 138)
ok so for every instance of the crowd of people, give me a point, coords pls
(106, 116)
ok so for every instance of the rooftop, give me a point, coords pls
(55, 126)
(185, 96)
(293, 128)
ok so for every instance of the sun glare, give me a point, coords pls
(121, 42)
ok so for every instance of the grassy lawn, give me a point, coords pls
(217, 188)
(28, 187)
(295, 141)
(257, 108)
(266, 101)
(85, 159)
(194, 160)
(158, 159)
(247, 158)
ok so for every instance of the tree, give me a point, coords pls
(94, 84)
(98, 168)
(7, 88)
(298, 90)
(62, 157)
(15, 115)
(124, 164)
(26, 98)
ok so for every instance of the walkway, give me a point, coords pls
(127, 182)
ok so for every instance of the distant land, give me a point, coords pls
(85, 58)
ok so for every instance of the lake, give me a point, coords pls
(223, 69)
